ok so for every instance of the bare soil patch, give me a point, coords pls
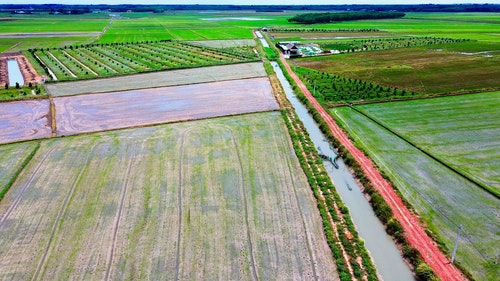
(24, 120)
(107, 111)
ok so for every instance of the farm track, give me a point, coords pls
(410, 222)
(60, 214)
(125, 188)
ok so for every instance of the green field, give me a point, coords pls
(426, 70)
(462, 131)
(11, 160)
(223, 198)
(443, 199)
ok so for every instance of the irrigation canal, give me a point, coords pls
(385, 254)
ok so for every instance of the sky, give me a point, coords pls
(248, 2)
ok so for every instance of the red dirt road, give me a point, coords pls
(414, 230)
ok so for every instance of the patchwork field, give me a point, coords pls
(107, 111)
(192, 200)
(159, 79)
(24, 120)
(462, 131)
(443, 199)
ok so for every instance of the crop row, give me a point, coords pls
(333, 88)
(88, 61)
(387, 43)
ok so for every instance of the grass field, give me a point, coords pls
(443, 199)
(425, 70)
(193, 200)
(11, 158)
(461, 131)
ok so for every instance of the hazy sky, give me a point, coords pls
(248, 2)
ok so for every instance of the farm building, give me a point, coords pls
(294, 49)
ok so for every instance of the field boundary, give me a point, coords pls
(456, 171)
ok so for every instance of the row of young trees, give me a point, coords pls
(312, 18)
(333, 88)
(387, 43)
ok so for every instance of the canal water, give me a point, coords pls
(15, 75)
(385, 254)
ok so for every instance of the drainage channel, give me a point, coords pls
(386, 256)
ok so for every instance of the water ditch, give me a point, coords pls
(385, 254)
(15, 75)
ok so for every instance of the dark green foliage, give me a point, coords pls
(376, 44)
(312, 18)
(334, 88)
(424, 272)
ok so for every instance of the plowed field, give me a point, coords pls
(106, 111)
(217, 199)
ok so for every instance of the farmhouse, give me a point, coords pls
(295, 49)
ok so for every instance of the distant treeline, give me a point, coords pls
(312, 18)
(33, 8)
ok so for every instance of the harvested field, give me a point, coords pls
(218, 199)
(24, 120)
(159, 79)
(108, 111)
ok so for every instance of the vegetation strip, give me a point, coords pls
(415, 233)
(6, 187)
(472, 180)
(352, 258)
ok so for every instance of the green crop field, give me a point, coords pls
(426, 70)
(461, 131)
(223, 198)
(443, 199)
(100, 60)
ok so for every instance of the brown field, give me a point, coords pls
(107, 111)
(216, 199)
(159, 79)
(24, 120)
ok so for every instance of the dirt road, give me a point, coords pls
(415, 232)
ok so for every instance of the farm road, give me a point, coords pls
(415, 232)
